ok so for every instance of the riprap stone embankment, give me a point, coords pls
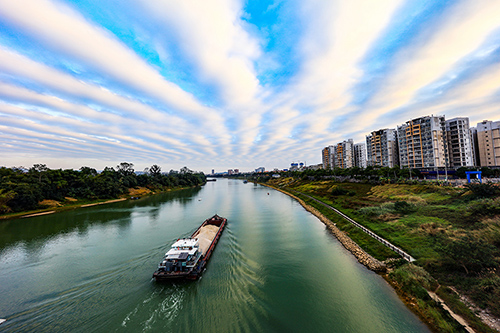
(363, 257)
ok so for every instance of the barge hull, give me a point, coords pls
(198, 269)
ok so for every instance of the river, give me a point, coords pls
(276, 268)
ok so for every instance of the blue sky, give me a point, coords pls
(225, 84)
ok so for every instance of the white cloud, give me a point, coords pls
(337, 36)
(123, 110)
(248, 123)
(64, 30)
(457, 34)
(215, 40)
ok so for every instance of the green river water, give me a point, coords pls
(276, 268)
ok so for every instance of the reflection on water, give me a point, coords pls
(42, 227)
(276, 268)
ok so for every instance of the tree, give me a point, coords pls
(27, 197)
(38, 169)
(87, 171)
(4, 198)
(125, 169)
(185, 170)
(155, 170)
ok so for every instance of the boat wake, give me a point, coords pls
(234, 286)
(159, 309)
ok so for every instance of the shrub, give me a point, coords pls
(470, 254)
(487, 293)
(490, 284)
(414, 280)
(337, 190)
(484, 207)
(486, 190)
(385, 208)
(403, 207)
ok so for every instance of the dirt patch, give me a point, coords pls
(103, 203)
(50, 203)
(458, 318)
(38, 214)
(139, 191)
(487, 318)
(70, 199)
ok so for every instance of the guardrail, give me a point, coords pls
(393, 247)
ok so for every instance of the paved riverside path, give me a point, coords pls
(393, 247)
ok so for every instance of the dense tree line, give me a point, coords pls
(375, 173)
(22, 189)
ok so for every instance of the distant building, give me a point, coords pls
(460, 143)
(344, 154)
(422, 143)
(488, 143)
(297, 166)
(260, 170)
(314, 167)
(359, 152)
(382, 148)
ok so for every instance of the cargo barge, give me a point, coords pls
(188, 257)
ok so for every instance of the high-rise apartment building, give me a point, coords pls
(488, 143)
(422, 143)
(360, 155)
(344, 154)
(459, 140)
(328, 154)
(473, 133)
(382, 148)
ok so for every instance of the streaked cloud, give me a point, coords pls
(230, 84)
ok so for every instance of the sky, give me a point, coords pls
(228, 84)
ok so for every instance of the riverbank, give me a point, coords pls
(413, 285)
(363, 257)
(60, 208)
(70, 203)
(103, 203)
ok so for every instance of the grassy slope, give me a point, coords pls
(436, 216)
